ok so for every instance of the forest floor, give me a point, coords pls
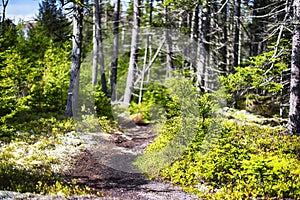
(106, 166)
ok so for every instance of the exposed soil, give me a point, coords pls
(105, 165)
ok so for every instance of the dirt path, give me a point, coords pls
(105, 164)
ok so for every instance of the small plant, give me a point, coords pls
(36, 155)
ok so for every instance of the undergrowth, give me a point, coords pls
(226, 159)
(35, 154)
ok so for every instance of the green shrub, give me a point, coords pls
(226, 159)
(31, 159)
(244, 161)
(175, 136)
(103, 105)
(157, 104)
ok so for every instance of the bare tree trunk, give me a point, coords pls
(146, 72)
(4, 5)
(294, 112)
(204, 48)
(101, 54)
(169, 63)
(98, 56)
(225, 64)
(76, 59)
(237, 14)
(195, 41)
(133, 54)
(95, 43)
(114, 62)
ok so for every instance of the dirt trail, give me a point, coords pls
(105, 164)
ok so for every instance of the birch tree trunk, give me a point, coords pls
(294, 111)
(114, 62)
(133, 53)
(76, 58)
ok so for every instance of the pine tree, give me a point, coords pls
(52, 21)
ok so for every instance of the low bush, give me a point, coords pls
(35, 154)
(229, 159)
(103, 105)
(243, 161)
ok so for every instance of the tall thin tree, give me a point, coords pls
(237, 15)
(98, 56)
(133, 52)
(76, 58)
(294, 112)
(114, 62)
(95, 42)
(169, 62)
(4, 5)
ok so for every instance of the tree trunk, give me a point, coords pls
(76, 59)
(195, 42)
(98, 48)
(169, 63)
(224, 50)
(101, 54)
(133, 54)
(294, 112)
(114, 62)
(95, 43)
(4, 5)
(237, 14)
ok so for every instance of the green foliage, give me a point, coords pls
(16, 78)
(167, 132)
(225, 159)
(91, 123)
(103, 105)
(176, 134)
(242, 161)
(31, 131)
(9, 35)
(28, 87)
(32, 160)
(262, 73)
(157, 103)
(51, 92)
(52, 22)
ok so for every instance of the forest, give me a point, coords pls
(218, 82)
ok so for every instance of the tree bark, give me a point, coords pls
(237, 14)
(294, 111)
(76, 59)
(4, 5)
(133, 53)
(101, 54)
(169, 62)
(95, 43)
(114, 62)
(98, 48)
